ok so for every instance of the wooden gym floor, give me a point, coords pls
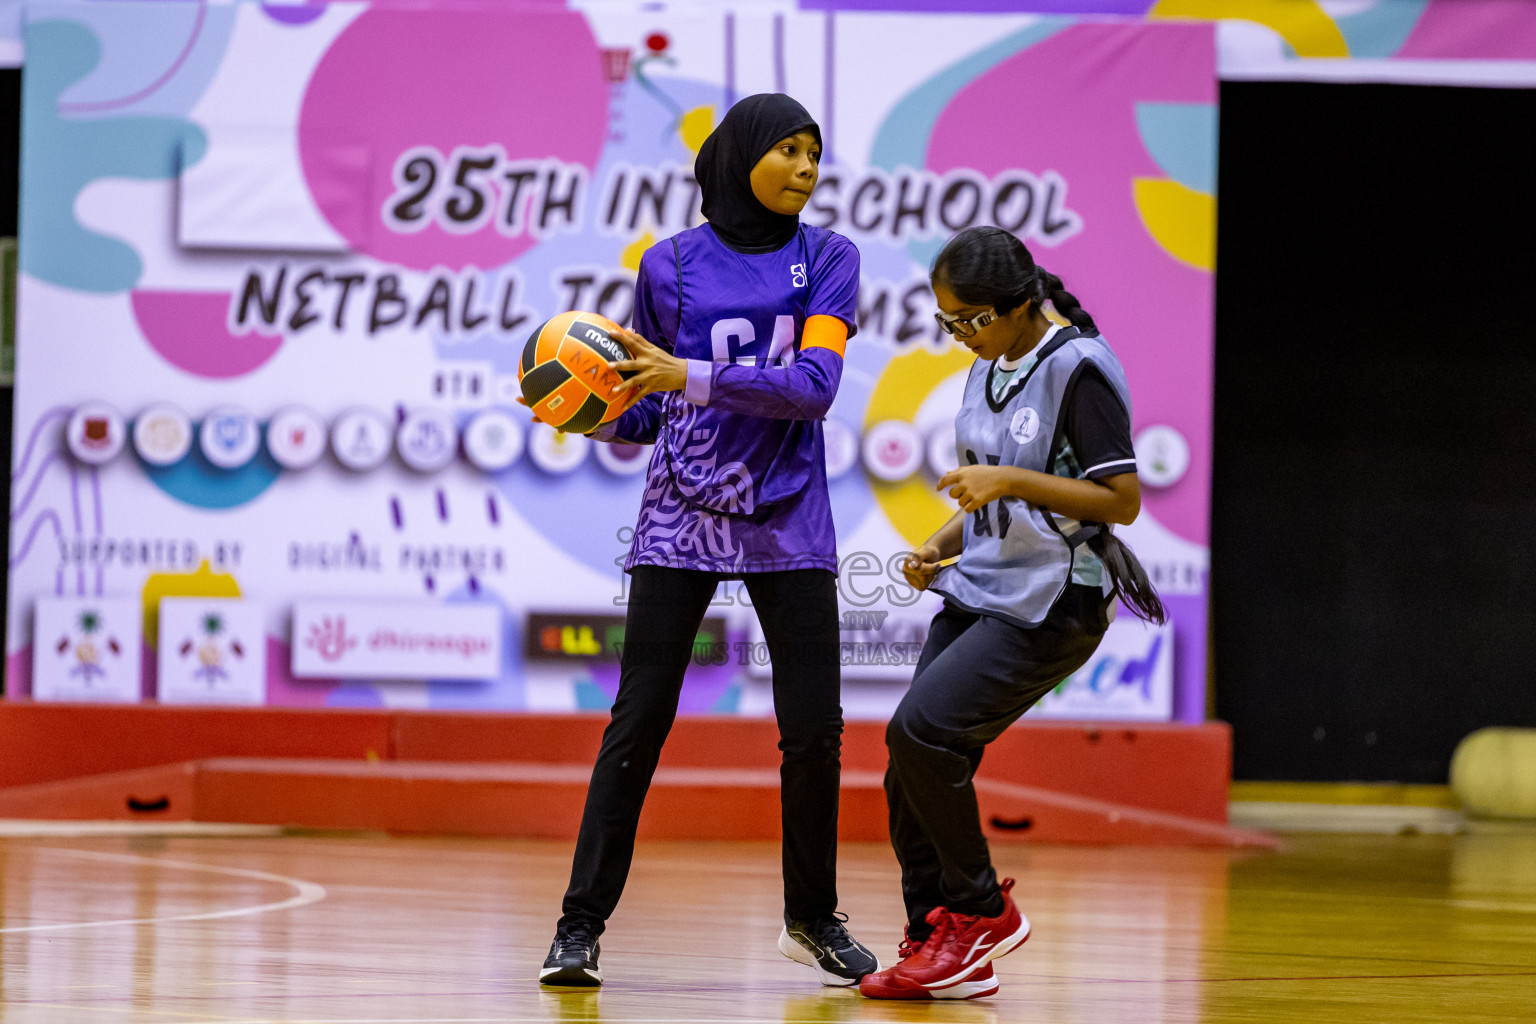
(371, 929)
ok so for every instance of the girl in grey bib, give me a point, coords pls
(1046, 468)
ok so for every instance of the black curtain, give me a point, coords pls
(10, 168)
(1375, 432)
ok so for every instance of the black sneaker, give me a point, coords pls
(572, 959)
(825, 946)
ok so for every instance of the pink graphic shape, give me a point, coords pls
(394, 80)
(18, 674)
(190, 331)
(1080, 88)
(1474, 30)
(285, 691)
(149, 672)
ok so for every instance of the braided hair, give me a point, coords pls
(1128, 577)
(987, 266)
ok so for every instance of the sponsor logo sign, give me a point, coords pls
(584, 636)
(396, 640)
(842, 446)
(554, 452)
(361, 439)
(296, 437)
(96, 433)
(1130, 677)
(1162, 456)
(493, 440)
(229, 437)
(212, 651)
(86, 649)
(622, 459)
(942, 456)
(893, 450)
(162, 434)
(427, 440)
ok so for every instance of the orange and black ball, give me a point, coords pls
(565, 375)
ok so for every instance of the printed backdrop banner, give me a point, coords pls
(278, 264)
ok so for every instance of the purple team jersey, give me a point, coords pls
(738, 480)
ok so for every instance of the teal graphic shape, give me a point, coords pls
(63, 155)
(729, 702)
(902, 140)
(1381, 30)
(1181, 138)
(590, 696)
(196, 481)
(156, 58)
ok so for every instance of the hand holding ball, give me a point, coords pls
(567, 378)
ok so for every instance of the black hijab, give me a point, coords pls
(724, 168)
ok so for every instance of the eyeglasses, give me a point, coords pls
(961, 327)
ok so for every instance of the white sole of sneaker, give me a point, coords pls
(568, 980)
(976, 988)
(800, 955)
(1003, 948)
(967, 990)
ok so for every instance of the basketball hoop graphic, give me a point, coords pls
(615, 64)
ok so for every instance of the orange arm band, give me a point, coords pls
(822, 331)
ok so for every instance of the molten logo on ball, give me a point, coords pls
(565, 375)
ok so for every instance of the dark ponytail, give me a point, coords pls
(1129, 578)
(987, 266)
(1049, 286)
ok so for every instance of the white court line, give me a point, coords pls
(305, 893)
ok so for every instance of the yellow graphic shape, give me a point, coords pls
(1180, 219)
(912, 505)
(202, 582)
(1302, 23)
(629, 259)
(695, 126)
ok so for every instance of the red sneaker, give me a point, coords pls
(957, 952)
(980, 940)
(891, 983)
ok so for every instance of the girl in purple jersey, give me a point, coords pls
(739, 331)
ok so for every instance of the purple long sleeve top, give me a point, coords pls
(737, 482)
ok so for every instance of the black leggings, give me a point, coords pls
(976, 676)
(798, 612)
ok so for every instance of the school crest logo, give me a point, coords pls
(1026, 424)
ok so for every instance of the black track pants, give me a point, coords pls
(976, 676)
(798, 612)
